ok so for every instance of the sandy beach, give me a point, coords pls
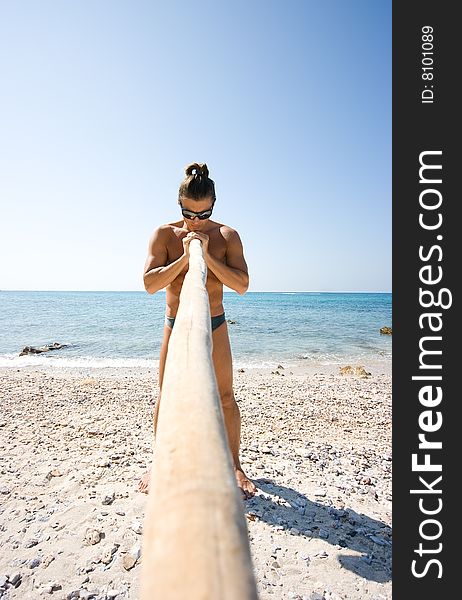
(75, 442)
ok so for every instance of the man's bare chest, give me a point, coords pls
(216, 246)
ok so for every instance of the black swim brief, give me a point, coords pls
(216, 321)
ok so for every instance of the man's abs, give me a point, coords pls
(214, 289)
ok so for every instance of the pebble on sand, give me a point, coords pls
(131, 557)
(92, 536)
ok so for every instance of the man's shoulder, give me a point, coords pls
(226, 231)
(170, 226)
(167, 228)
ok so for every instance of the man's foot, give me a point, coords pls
(143, 485)
(248, 488)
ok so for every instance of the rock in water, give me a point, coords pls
(32, 350)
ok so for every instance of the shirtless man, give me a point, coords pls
(166, 266)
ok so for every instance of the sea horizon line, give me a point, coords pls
(224, 291)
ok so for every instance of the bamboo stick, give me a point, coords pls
(195, 540)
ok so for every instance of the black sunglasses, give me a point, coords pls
(190, 214)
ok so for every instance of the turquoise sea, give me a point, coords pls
(125, 328)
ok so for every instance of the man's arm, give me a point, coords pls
(234, 273)
(156, 275)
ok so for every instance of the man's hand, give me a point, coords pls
(186, 240)
(196, 235)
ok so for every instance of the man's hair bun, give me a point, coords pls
(197, 169)
(197, 184)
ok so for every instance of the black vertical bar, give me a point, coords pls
(425, 119)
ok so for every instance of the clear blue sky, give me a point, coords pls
(104, 103)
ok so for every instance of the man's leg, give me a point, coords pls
(144, 482)
(223, 364)
(162, 358)
(222, 361)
